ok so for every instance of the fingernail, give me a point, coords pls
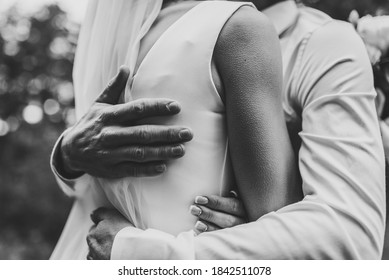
(160, 168)
(194, 210)
(177, 151)
(124, 68)
(173, 107)
(200, 226)
(185, 134)
(201, 200)
(234, 194)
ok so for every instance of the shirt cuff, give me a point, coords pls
(135, 244)
(67, 184)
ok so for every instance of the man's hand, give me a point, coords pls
(107, 223)
(107, 143)
(216, 212)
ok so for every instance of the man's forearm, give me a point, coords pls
(306, 230)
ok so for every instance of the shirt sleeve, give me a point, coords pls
(341, 161)
(341, 158)
(68, 185)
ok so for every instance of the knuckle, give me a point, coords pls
(104, 136)
(115, 113)
(163, 152)
(139, 153)
(144, 134)
(103, 116)
(230, 221)
(159, 107)
(102, 224)
(206, 215)
(235, 207)
(93, 112)
(171, 134)
(139, 107)
(73, 149)
(88, 151)
(215, 202)
(103, 155)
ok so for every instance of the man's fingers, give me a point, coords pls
(115, 87)
(229, 205)
(147, 154)
(145, 134)
(219, 219)
(144, 108)
(91, 241)
(130, 169)
(92, 253)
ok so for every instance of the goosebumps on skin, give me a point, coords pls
(248, 59)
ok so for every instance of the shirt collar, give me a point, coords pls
(283, 15)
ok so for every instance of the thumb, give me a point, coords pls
(99, 214)
(115, 87)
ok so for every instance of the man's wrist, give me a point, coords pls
(60, 165)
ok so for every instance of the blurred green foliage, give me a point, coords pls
(36, 105)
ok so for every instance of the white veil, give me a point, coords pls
(110, 37)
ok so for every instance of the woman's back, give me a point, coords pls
(176, 64)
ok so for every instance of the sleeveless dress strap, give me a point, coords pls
(195, 34)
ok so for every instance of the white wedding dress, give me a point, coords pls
(178, 67)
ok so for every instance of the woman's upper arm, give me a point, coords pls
(248, 59)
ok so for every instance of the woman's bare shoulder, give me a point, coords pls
(246, 42)
(247, 23)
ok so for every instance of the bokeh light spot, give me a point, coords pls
(11, 48)
(65, 93)
(4, 128)
(60, 47)
(33, 114)
(51, 107)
